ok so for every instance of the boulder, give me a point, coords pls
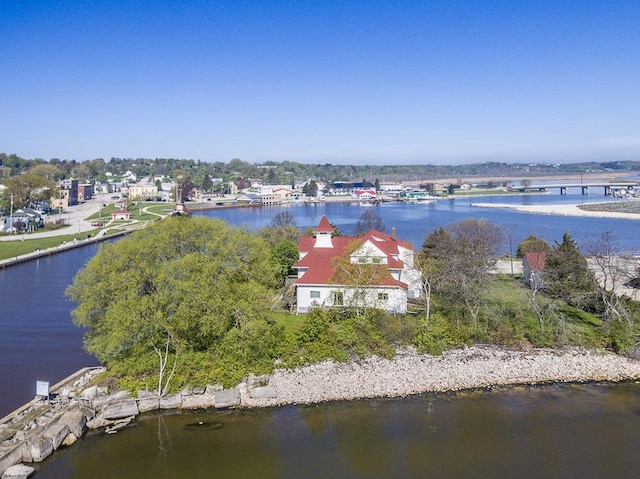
(198, 401)
(70, 439)
(90, 393)
(101, 400)
(121, 409)
(147, 400)
(97, 422)
(213, 388)
(39, 449)
(18, 471)
(227, 398)
(11, 456)
(75, 420)
(171, 401)
(56, 432)
(263, 392)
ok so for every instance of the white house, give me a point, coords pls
(316, 285)
(121, 215)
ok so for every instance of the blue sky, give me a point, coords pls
(399, 82)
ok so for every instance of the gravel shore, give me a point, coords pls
(563, 210)
(469, 368)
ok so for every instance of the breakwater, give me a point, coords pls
(34, 431)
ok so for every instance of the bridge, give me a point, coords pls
(608, 186)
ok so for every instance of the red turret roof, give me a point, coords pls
(324, 226)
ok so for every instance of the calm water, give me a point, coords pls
(37, 338)
(553, 432)
(586, 431)
(414, 222)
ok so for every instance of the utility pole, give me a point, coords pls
(11, 215)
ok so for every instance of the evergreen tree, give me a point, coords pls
(207, 184)
(567, 275)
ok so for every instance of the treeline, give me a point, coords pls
(193, 301)
(288, 172)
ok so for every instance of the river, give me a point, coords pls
(556, 431)
(39, 342)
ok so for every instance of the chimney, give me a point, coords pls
(393, 233)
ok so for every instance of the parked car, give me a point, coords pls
(96, 223)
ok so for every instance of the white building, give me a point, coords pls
(317, 286)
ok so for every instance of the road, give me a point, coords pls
(75, 216)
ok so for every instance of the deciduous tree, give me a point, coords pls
(460, 260)
(369, 220)
(189, 279)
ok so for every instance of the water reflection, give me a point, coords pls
(550, 431)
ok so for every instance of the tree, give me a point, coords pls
(532, 244)
(369, 220)
(612, 268)
(283, 255)
(185, 189)
(187, 279)
(272, 178)
(283, 226)
(567, 276)
(310, 188)
(354, 279)
(28, 188)
(461, 258)
(283, 219)
(48, 171)
(207, 183)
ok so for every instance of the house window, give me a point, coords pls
(315, 294)
(338, 299)
(383, 296)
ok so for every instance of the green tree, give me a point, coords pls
(188, 280)
(48, 171)
(567, 275)
(310, 188)
(28, 188)
(207, 183)
(283, 255)
(353, 279)
(532, 244)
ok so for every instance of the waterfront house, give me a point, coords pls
(316, 285)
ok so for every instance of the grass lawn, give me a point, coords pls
(11, 249)
(290, 321)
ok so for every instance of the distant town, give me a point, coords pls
(31, 189)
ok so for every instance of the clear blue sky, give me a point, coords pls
(366, 82)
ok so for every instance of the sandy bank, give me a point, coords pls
(469, 368)
(565, 210)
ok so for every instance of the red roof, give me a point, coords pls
(318, 261)
(536, 260)
(324, 226)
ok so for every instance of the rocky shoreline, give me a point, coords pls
(34, 431)
(410, 373)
